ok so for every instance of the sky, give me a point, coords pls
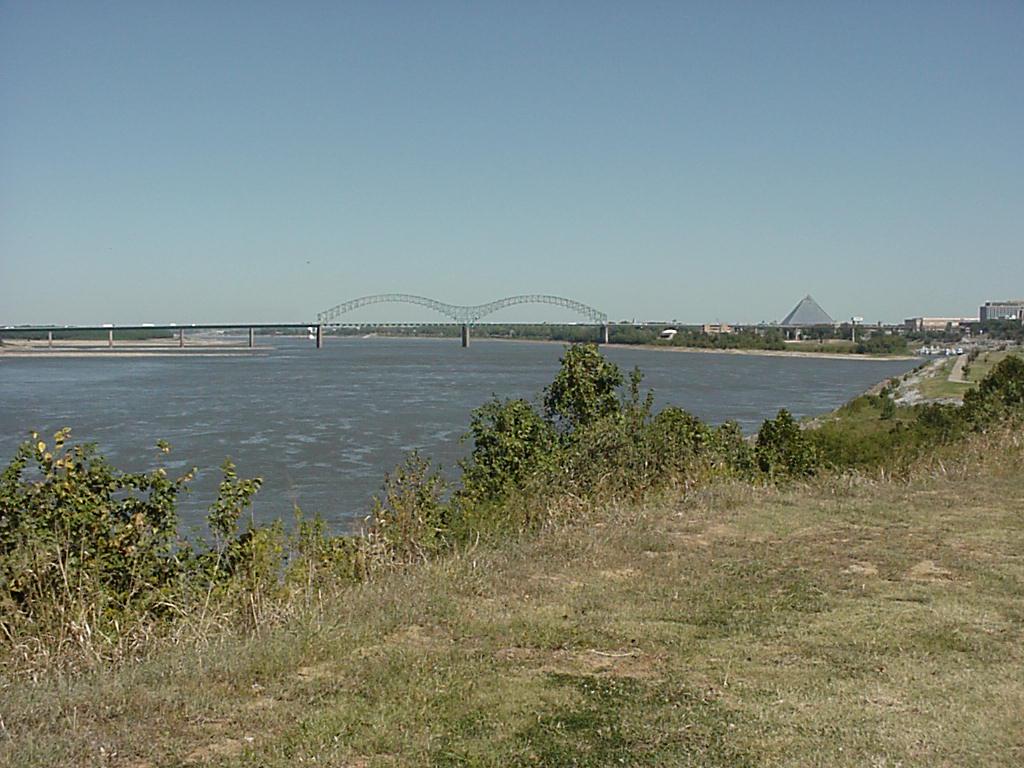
(260, 161)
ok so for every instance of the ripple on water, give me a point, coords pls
(363, 403)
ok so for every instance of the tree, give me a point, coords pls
(585, 389)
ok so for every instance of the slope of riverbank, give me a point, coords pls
(845, 622)
(947, 379)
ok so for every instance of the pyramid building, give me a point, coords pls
(807, 313)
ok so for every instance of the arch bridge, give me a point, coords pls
(466, 315)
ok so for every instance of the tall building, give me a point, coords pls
(1002, 310)
(807, 313)
(936, 323)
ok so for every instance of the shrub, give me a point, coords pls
(999, 393)
(511, 441)
(76, 532)
(888, 411)
(680, 435)
(783, 449)
(409, 520)
(88, 552)
(880, 343)
(584, 390)
(732, 452)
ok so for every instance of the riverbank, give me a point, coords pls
(132, 348)
(646, 589)
(947, 379)
(768, 352)
(711, 351)
(170, 348)
(842, 622)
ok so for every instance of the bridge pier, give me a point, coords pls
(49, 338)
(465, 335)
(319, 336)
(604, 333)
(110, 337)
(181, 337)
(252, 338)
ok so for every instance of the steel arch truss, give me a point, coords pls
(465, 315)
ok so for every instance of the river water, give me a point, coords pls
(323, 426)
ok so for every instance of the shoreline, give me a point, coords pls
(138, 348)
(129, 348)
(710, 351)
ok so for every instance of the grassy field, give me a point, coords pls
(939, 386)
(848, 622)
(980, 368)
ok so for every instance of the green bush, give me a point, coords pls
(88, 552)
(409, 521)
(783, 449)
(882, 344)
(732, 452)
(74, 529)
(1000, 393)
(888, 411)
(584, 390)
(595, 442)
(511, 442)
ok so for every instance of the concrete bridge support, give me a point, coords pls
(319, 337)
(252, 338)
(49, 338)
(110, 337)
(465, 336)
(181, 337)
(604, 333)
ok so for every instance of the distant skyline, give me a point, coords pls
(204, 162)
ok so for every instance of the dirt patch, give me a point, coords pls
(369, 652)
(693, 539)
(927, 570)
(261, 703)
(225, 748)
(517, 654)
(627, 662)
(862, 569)
(312, 672)
(612, 662)
(419, 636)
(621, 574)
(559, 581)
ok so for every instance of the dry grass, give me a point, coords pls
(855, 621)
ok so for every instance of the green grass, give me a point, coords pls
(938, 386)
(855, 435)
(844, 623)
(981, 367)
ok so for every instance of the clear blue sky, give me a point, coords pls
(212, 161)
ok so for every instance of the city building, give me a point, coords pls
(716, 328)
(936, 323)
(1002, 310)
(806, 314)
